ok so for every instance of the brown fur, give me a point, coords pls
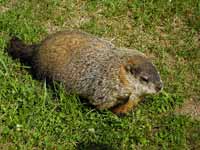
(129, 105)
(93, 68)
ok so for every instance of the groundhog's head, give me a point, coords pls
(141, 76)
(138, 77)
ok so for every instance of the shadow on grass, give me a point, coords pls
(94, 146)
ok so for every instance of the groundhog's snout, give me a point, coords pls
(159, 86)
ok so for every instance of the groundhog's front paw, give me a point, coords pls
(125, 108)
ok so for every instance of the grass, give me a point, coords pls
(34, 115)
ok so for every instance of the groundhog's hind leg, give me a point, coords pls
(124, 108)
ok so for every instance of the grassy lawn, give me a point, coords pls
(34, 115)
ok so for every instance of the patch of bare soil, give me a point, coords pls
(191, 107)
(8, 6)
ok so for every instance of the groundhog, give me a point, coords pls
(107, 76)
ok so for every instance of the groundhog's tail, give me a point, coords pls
(18, 49)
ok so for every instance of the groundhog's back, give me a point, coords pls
(59, 49)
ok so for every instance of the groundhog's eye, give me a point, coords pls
(144, 78)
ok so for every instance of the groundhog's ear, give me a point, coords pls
(128, 67)
(133, 69)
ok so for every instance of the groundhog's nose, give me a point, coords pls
(159, 86)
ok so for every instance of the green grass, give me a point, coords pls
(34, 115)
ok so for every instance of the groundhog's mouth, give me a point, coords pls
(159, 87)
